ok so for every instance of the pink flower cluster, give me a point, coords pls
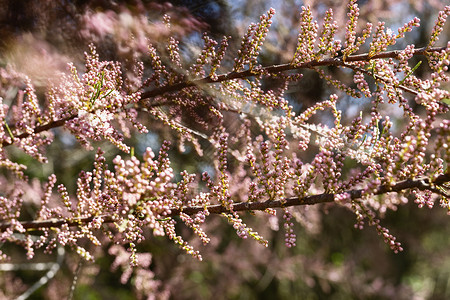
(93, 101)
(307, 36)
(252, 42)
(275, 157)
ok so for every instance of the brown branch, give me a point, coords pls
(337, 61)
(41, 128)
(235, 75)
(419, 183)
(422, 183)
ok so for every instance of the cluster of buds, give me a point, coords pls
(288, 162)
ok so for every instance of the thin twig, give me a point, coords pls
(46, 278)
(380, 78)
(75, 279)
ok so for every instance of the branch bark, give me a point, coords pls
(421, 183)
(235, 75)
(337, 61)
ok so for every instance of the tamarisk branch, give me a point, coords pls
(422, 184)
(336, 61)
